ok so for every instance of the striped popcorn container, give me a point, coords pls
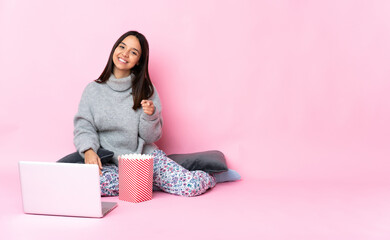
(135, 177)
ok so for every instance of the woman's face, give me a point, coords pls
(126, 56)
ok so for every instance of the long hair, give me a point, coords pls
(142, 87)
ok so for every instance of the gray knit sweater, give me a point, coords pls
(105, 118)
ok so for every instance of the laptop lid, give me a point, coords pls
(64, 189)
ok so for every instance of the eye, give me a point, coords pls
(121, 47)
(134, 53)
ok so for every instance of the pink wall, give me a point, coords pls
(286, 89)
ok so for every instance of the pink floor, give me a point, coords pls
(247, 209)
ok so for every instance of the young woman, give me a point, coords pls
(121, 112)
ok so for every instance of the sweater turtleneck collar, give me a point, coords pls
(120, 84)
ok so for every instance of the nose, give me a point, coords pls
(126, 53)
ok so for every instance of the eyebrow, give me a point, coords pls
(132, 48)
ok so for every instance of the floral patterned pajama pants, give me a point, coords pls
(167, 175)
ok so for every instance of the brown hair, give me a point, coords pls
(142, 87)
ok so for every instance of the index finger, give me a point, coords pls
(148, 102)
(100, 166)
(99, 163)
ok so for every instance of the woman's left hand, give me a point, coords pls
(148, 106)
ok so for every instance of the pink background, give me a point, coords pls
(286, 89)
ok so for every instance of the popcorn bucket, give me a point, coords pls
(135, 177)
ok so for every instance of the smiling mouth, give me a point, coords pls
(122, 60)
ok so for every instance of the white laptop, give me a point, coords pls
(64, 189)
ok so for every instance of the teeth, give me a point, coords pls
(120, 59)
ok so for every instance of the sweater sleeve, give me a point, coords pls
(85, 132)
(150, 128)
